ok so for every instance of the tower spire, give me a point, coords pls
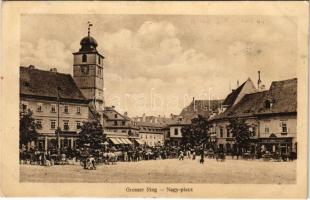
(89, 25)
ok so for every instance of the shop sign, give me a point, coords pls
(276, 140)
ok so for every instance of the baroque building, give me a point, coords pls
(272, 115)
(60, 100)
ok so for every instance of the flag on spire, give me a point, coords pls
(89, 25)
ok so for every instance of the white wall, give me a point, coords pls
(172, 132)
(47, 116)
(274, 125)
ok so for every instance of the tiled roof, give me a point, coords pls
(282, 94)
(109, 113)
(230, 99)
(247, 106)
(200, 107)
(40, 83)
(149, 124)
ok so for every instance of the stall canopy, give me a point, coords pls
(118, 140)
(114, 141)
(139, 141)
(124, 141)
(121, 140)
(128, 141)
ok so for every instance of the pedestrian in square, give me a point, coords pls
(202, 159)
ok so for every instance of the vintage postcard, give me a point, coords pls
(154, 99)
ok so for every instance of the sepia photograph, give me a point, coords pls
(151, 98)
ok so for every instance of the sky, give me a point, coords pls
(156, 64)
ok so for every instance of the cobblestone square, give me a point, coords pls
(168, 171)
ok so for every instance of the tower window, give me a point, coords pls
(99, 60)
(84, 58)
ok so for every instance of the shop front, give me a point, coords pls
(50, 141)
(281, 145)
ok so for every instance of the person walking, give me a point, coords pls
(194, 155)
(202, 159)
(181, 156)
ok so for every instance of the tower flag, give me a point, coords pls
(89, 25)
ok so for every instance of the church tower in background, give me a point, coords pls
(88, 71)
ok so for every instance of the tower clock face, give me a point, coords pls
(85, 69)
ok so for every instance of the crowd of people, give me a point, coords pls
(90, 157)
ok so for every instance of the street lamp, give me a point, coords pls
(58, 130)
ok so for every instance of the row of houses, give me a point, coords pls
(271, 114)
(66, 101)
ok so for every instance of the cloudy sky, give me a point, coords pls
(156, 64)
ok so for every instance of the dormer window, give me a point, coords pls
(269, 103)
(84, 58)
(27, 84)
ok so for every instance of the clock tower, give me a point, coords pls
(88, 71)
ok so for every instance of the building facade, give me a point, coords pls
(271, 114)
(60, 100)
(54, 100)
(116, 123)
(151, 134)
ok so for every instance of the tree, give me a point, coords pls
(27, 127)
(241, 131)
(91, 134)
(197, 133)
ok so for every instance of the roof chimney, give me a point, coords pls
(31, 67)
(237, 83)
(258, 81)
(53, 70)
(113, 107)
(143, 117)
(125, 114)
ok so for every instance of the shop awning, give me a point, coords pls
(128, 141)
(114, 141)
(122, 140)
(139, 141)
(118, 140)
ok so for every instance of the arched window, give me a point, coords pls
(84, 58)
